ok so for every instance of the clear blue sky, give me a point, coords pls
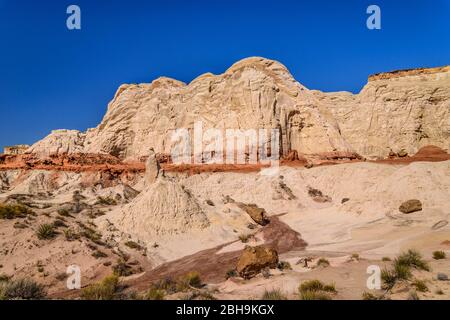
(53, 78)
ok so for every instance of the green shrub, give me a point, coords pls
(154, 294)
(71, 235)
(413, 259)
(311, 285)
(59, 223)
(231, 274)
(103, 290)
(355, 256)
(274, 294)
(245, 237)
(322, 262)
(64, 213)
(388, 277)
(133, 245)
(107, 201)
(26, 289)
(99, 254)
(13, 211)
(371, 296)
(314, 295)
(420, 285)
(402, 272)
(46, 231)
(437, 255)
(284, 265)
(316, 290)
(191, 279)
(122, 269)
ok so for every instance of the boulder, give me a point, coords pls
(254, 259)
(442, 276)
(410, 206)
(258, 215)
(402, 153)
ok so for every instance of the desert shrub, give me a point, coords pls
(245, 237)
(107, 201)
(439, 292)
(284, 265)
(322, 262)
(122, 269)
(13, 211)
(71, 235)
(4, 278)
(26, 289)
(316, 290)
(386, 259)
(370, 296)
(59, 223)
(133, 245)
(90, 234)
(412, 259)
(99, 254)
(167, 284)
(154, 294)
(355, 256)
(402, 272)
(314, 295)
(46, 231)
(231, 274)
(274, 294)
(420, 285)
(199, 295)
(437, 255)
(64, 213)
(311, 285)
(388, 277)
(191, 279)
(103, 290)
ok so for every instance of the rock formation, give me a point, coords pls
(394, 111)
(254, 259)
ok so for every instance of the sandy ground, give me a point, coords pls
(367, 223)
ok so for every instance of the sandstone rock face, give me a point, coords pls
(411, 206)
(254, 93)
(399, 112)
(254, 259)
(59, 141)
(395, 112)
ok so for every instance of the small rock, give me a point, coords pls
(210, 203)
(410, 206)
(402, 153)
(442, 276)
(344, 200)
(309, 165)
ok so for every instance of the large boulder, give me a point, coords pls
(258, 214)
(255, 259)
(410, 206)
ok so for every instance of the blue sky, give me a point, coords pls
(53, 78)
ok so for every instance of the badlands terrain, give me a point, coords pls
(363, 178)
